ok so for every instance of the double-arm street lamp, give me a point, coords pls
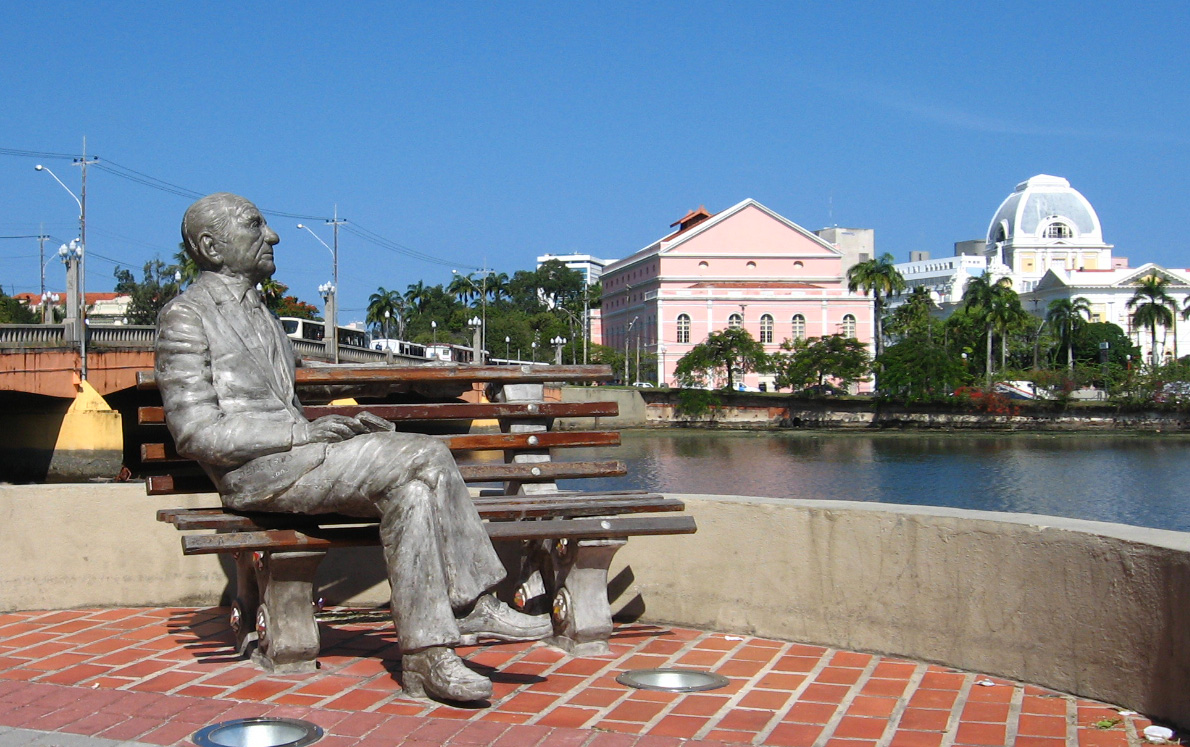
(329, 290)
(76, 253)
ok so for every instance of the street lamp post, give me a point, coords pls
(627, 338)
(507, 340)
(558, 343)
(330, 340)
(476, 325)
(48, 303)
(77, 250)
(434, 333)
(334, 284)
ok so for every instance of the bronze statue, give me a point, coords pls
(226, 374)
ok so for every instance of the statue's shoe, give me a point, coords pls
(439, 672)
(492, 618)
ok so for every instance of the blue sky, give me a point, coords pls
(490, 133)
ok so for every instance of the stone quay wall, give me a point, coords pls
(1090, 608)
(658, 409)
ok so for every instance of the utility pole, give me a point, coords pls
(82, 163)
(334, 318)
(41, 237)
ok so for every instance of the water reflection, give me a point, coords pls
(1128, 479)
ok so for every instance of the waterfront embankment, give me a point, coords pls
(659, 408)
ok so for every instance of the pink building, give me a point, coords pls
(744, 266)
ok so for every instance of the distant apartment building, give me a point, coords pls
(590, 266)
(745, 267)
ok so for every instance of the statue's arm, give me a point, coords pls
(201, 429)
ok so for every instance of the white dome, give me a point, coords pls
(1044, 210)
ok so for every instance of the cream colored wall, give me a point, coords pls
(1084, 607)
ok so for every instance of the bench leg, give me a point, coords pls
(247, 601)
(581, 613)
(287, 633)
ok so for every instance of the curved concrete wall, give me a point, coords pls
(1084, 607)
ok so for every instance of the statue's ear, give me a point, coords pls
(208, 248)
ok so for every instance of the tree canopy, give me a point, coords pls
(720, 357)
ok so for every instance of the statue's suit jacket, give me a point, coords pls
(229, 403)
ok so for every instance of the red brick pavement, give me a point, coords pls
(158, 675)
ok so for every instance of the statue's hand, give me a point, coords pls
(334, 428)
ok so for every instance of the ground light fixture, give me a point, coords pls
(259, 732)
(672, 680)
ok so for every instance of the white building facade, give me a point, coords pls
(1046, 238)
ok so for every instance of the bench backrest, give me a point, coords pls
(526, 422)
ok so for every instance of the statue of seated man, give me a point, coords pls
(226, 373)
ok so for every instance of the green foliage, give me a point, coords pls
(1120, 347)
(698, 403)
(386, 313)
(158, 287)
(13, 311)
(813, 361)
(920, 369)
(719, 358)
(272, 292)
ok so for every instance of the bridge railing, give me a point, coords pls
(139, 337)
(32, 336)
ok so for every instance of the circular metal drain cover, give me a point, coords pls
(259, 732)
(671, 680)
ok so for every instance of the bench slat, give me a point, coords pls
(164, 452)
(521, 472)
(326, 538)
(440, 411)
(517, 374)
(504, 508)
(176, 515)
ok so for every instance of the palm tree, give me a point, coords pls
(385, 306)
(416, 295)
(498, 286)
(880, 278)
(989, 305)
(461, 287)
(1067, 316)
(1005, 313)
(1152, 306)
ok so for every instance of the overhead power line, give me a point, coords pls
(397, 248)
(124, 172)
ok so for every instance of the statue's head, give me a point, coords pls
(225, 233)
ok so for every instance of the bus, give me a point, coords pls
(308, 329)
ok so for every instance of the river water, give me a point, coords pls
(1130, 479)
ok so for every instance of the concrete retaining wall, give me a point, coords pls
(1084, 607)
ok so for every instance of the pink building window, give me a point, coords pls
(799, 327)
(735, 321)
(683, 328)
(766, 329)
(849, 326)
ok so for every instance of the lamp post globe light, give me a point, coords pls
(558, 342)
(507, 341)
(477, 351)
(70, 255)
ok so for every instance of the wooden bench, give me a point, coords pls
(557, 544)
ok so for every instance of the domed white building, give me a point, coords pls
(1047, 239)
(1046, 224)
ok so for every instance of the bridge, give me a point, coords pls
(40, 359)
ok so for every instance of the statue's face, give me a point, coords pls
(247, 244)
